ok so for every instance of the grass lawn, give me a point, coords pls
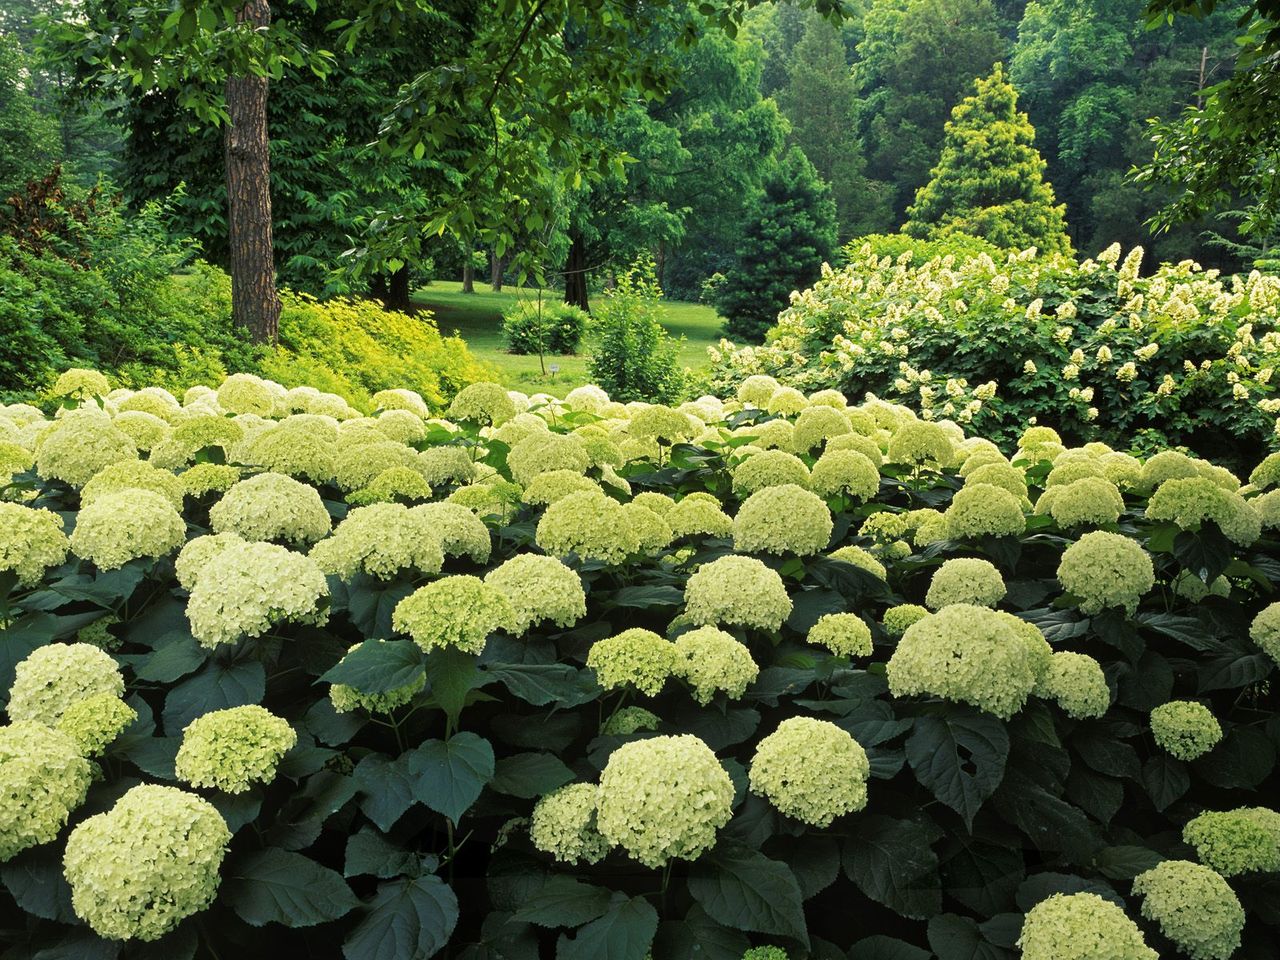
(477, 318)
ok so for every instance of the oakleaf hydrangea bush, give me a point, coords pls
(767, 676)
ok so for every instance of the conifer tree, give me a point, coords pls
(989, 181)
(791, 235)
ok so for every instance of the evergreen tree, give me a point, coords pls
(791, 235)
(989, 181)
(28, 139)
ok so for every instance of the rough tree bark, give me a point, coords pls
(468, 272)
(575, 273)
(495, 271)
(392, 289)
(255, 304)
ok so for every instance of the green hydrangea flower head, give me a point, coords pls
(300, 446)
(77, 383)
(663, 798)
(52, 678)
(1267, 473)
(540, 589)
(245, 589)
(712, 661)
(860, 558)
(246, 393)
(636, 658)
(757, 389)
(736, 591)
(206, 478)
(1167, 465)
(547, 488)
(859, 443)
(786, 401)
(232, 749)
(782, 519)
(400, 399)
(360, 465)
(196, 554)
(1185, 729)
(1041, 652)
(1194, 907)
(31, 541)
(133, 475)
(697, 517)
(965, 580)
(998, 473)
(1081, 926)
(811, 770)
(126, 525)
(95, 722)
(167, 844)
(1067, 472)
(591, 525)
(770, 468)
(845, 472)
(981, 509)
(650, 529)
(1265, 631)
(1077, 682)
(1106, 570)
(1123, 470)
(661, 423)
(98, 634)
(404, 426)
(1089, 501)
(460, 532)
(393, 485)
(486, 403)
(459, 611)
(765, 953)
(543, 452)
(630, 720)
(844, 634)
(1190, 587)
(897, 619)
(1190, 502)
(494, 497)
(818, 423)
(563, 824)
(919, 443)
(45, 777)
(968, 654)
(1232, 842)
(272, 506)
(80, 445)
(381, 540)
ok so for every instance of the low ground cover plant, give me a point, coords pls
(763, 676)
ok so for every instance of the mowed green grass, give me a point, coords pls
(477, 319)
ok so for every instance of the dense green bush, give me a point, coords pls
(704, 682)
(1183, 356)
(544, 326)
(632, 356)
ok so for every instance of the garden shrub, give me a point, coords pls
(633, 357)
(1182, 357)
(583, 692)
(547, 326)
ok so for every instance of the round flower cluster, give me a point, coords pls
(658, 422)
(31, 541)
(694, 516)
(232, 749)
(1077, 682)
(359, 466)
(630, 720)
(297, 447)
(770, 468)
(589, 524)
(965, 580)
(246, 393)
(400, 399)
(196, 554)
(766, 953)
(847, 472)
(738, 591)
(1091, 501)
(816, 424)
(997, 473)
(547, 488)
(563, 824)
(271, 506)
(651, 531)
(982, 509)
(860, 558)
(1232, 842)
(80, 445)
(459, 611)
(245, 589)
(543, 452)
(1081, 926)
(78, 383)
(95, 722)
(54, 677)
(1194, 907)
(663, 798)
(395, 484)
(898, 619)
(125, 525)
(637, 657)
(1190, 501)
(539, 589)
(782, 519)
(968, 654)
(811, 770)
(381, 540)
(1265, 630)
(844, 634)
(206, 478)
(44, 777)
(133, 475)
(1106, 570)
(483, 403)
(1185, 729)
(919, 442)
(712, 661)
(145, 865)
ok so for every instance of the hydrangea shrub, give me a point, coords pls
(767, 676)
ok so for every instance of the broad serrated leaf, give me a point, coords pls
(448, 777)
(278, 886)
(529, 775)
(744, 889)
(563, 902)
(410, 919)
(377, 666)
(385, 786)
(960, 757)
(216, 687)
(624, 932)
(892, 862)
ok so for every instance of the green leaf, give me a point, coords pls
(625, 932)
(1186, 630)
(545, 683)
(35, 881)
(18, 640)
(409, 919)
(880, 947)
(452, 675)
(216, 687)
(698, 937)
(448, 777)
(1242, 761)
(172, 661)
(1124, 862)
(385, 786)
(563, 902)
(960, 756)
(529, 775)
(277, 886)
(647, 597)
(744, 889)
(370, 853)
(377, 666)
(892, 862)
(1166, 780)
(1206, 553)
(958, 938)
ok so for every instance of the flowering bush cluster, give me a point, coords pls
(760, 677)
(1099, 350)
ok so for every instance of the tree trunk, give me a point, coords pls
(468, 272)
(495, 271)
(255, 304)
(575, 273)
(398, 291)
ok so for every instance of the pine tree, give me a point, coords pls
(989, 181)
(791, 235)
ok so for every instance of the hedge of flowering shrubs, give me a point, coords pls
(748, 679)
(995, 340)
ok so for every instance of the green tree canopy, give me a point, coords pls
(29, 143)
(989, 181)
